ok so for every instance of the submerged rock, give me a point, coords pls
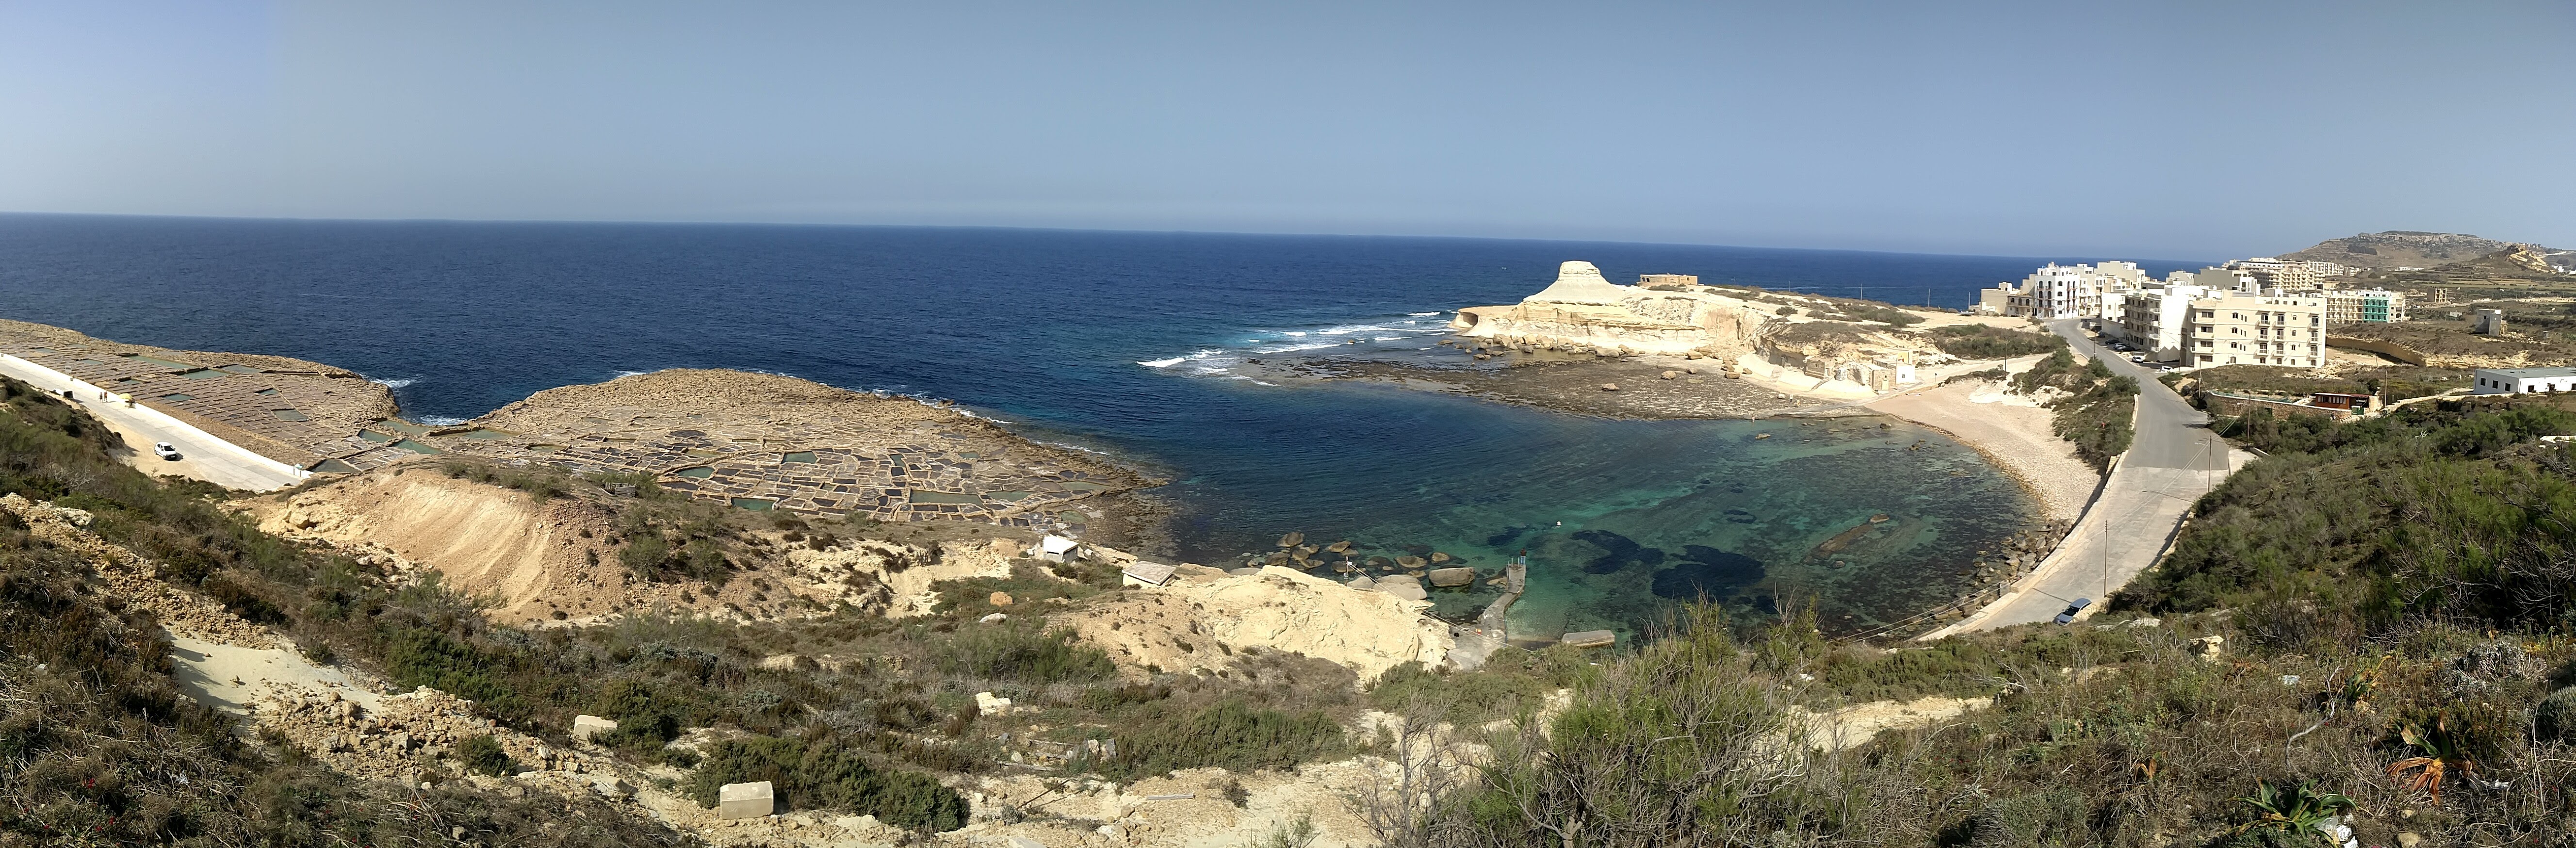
(1707, 571)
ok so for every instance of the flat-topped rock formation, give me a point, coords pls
(1747, 330)
(765, 441)
(296, 412)
(1582, 312)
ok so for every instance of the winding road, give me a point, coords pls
(201, 455)
(2173, 459)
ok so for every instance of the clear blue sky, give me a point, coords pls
(2059, 128)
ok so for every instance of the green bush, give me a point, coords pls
(2555, 719)
(483, 755)
(1024, 653)
(1978, 341)
(1230, 734)
(821, 771)
(2051, 818)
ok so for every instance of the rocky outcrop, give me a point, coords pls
(1582, 312)
(1205, 619)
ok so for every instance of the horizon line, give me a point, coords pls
(1006, 227)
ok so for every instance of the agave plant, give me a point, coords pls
(2301, 810)
(2441, 755)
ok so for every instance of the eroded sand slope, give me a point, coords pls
(1203, 617)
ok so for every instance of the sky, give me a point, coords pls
(2051, 128)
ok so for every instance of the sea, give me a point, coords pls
(1125, 343)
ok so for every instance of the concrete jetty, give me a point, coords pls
(1491, 632)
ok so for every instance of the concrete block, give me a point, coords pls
(745, 800)
(1591, 639)
(586, 726)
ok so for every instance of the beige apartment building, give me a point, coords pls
(2363, 306)
(2278, 275)
(2242, 329)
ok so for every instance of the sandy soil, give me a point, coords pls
(535, 559)
(1204, 617)
(2011, 432)
(1854, 726)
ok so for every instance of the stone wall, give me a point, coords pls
(2218, 403)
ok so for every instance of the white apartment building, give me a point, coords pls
(2230, 328)
(2153, 318)
(2075, 291)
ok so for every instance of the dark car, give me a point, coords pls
(2068, 617)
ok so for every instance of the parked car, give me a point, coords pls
(165, 451)
(2068, 617)
(2139, 358)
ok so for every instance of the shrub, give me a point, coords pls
(483, 755)
(1230, 734)
(2054, 817)
(2555, 719)
(1978, 341)
(820, 771)
(1024, 653)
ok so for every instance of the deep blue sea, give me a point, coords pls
(1111, 341)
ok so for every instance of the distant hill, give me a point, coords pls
(2394, 249)
(2517, 260)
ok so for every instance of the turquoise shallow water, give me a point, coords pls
(1621, 518)
(1117, 342)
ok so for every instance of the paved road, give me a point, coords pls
(202, 456)
(2173, 459)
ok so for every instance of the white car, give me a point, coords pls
(165, 451)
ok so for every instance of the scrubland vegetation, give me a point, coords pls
(2096, 409)
(866, 735)
(2396, 600)
(1978, 341)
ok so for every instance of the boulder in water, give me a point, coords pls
(1409, 561)
(1449, 577)
(1291, 540)
(1402, 586)
(1438, 557)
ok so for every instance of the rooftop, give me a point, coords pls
(2560, 371)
